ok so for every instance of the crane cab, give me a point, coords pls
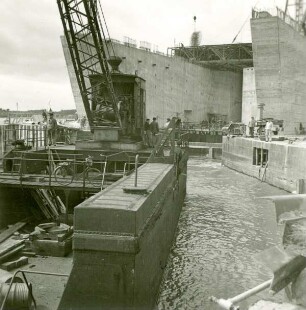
(130, 94)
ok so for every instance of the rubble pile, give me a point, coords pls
(17, 243)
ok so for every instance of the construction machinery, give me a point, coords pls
(234, 128)
(111, 99)
(278, 125)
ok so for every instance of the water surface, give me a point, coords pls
(222, 227)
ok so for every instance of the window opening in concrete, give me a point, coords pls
(260, 156)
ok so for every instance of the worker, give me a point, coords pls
(154, 131)
(83, 121)
(147, 136)
(252, 127)
(268, 130)
(51, 129)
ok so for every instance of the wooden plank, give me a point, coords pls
(23, 260)
(8, 245)
(51, 205)
(55, 200)
(40, 203)
(11, 253)
(10, 231)
(44, 204)
(62, 206)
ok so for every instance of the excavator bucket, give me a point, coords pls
(285, 267)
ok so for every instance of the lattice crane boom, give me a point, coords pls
(86, 42)
(299, 9)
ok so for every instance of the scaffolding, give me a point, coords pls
(226, 57)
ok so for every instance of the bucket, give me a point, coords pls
(18, 298)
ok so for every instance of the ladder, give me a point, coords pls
(16, 164)
(165, 139)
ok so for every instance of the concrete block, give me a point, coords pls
(15, 264)
(106, 133)
(52, 247)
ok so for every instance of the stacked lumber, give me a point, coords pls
(48, 202)
(11, 244)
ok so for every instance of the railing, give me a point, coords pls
(34, 136)
(46, 168)
(280, 14)
(170, 136)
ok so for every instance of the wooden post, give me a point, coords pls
(211, 153)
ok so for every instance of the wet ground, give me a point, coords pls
(222, 227)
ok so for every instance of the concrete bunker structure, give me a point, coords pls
(122, 240)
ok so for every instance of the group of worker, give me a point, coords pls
(151, 132)
(268, 129)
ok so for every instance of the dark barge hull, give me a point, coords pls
(122, 240)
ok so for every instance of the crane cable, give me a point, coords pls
(111, 44)
(243, 24)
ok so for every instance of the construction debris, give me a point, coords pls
(21, 261)
(11, 245)
(8, 246)
(52, 239)
(11, 230)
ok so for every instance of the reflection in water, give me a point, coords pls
(221, 228)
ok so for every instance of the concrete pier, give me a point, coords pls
(122, 240)
(278, 163)
(211, 150)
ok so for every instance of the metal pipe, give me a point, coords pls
(229, 304)
(251, 292)
(136, 169)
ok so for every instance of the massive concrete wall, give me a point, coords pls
(175, 87)
(279, 54)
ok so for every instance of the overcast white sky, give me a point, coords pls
(32, 65)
